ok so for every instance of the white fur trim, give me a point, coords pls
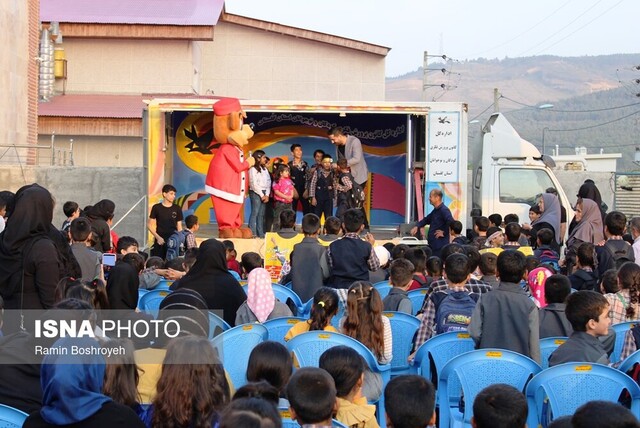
(225, 195)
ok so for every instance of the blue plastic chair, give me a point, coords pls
(11, 418)
(620, 329)
(287, 422)
(283, 293)
(441, 349)
(306, 309)
(163, 285)
(476, 370)
(307, 348)
(234, 347)
(547, 346)
(417, 299)
(278, 327)
(216, 325)
(568, 386)
(335, 321)
(383, 288)
(628, 363)
(403, 328)
(141, 292)
(150, 302)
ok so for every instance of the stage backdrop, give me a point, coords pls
(383, 138)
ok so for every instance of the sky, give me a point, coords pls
(462, 29)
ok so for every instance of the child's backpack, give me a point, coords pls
(453, 311)
(175, 244)
(355, 195)
(550, 258)
(620, 252)
(536, 279)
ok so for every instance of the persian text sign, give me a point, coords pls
(443, 147)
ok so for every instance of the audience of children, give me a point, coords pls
(450, 309)
(190, 394)
(588, 313)
(502, 318)
(553, 320)
(488, 268)
(210, 277)
(401, 276)
(500, 406)
(418, 258)
(346, 367)
(261, 304)
(507, 318)
(323, 309)
(312, 397)
(364, 322)
(624, 305)
(584, 276)
(351, 258)
(71, 211)
(271, 362)
(89, 260)
(382, 274)
(410, 402)
(309, 266)
(615, 251)
(332, 229)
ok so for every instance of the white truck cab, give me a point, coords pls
(510, 174)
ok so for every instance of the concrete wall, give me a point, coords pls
(128, 66)
(250, 63)
(14, 78)
(572, 180)
(124, 186)
(119, 152)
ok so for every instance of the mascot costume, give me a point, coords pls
(227, 180)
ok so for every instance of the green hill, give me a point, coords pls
(583, 90)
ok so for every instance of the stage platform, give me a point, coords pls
(207, 231)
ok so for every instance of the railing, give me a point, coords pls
(38, 155)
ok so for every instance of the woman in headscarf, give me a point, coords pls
(100, 214)
(588, 190)
(32, 255)
(122, 286)
(72, 391)
(261, 304)
(209, 277)
(549, 219)
(588, 229)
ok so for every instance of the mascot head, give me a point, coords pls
(228, 126)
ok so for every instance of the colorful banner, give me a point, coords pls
(383, 138)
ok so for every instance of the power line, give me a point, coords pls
(574, 111)
(595, 126)
(580, 28)
(561, 30)
(523, 33)
(481, 113)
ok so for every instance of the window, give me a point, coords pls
(519, 185)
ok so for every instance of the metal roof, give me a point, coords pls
(92, 105)
(152, 12)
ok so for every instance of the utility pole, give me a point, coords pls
(496, 98)
(424, 76)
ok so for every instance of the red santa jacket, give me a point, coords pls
(227, 178)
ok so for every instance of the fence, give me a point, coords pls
(37, 155)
